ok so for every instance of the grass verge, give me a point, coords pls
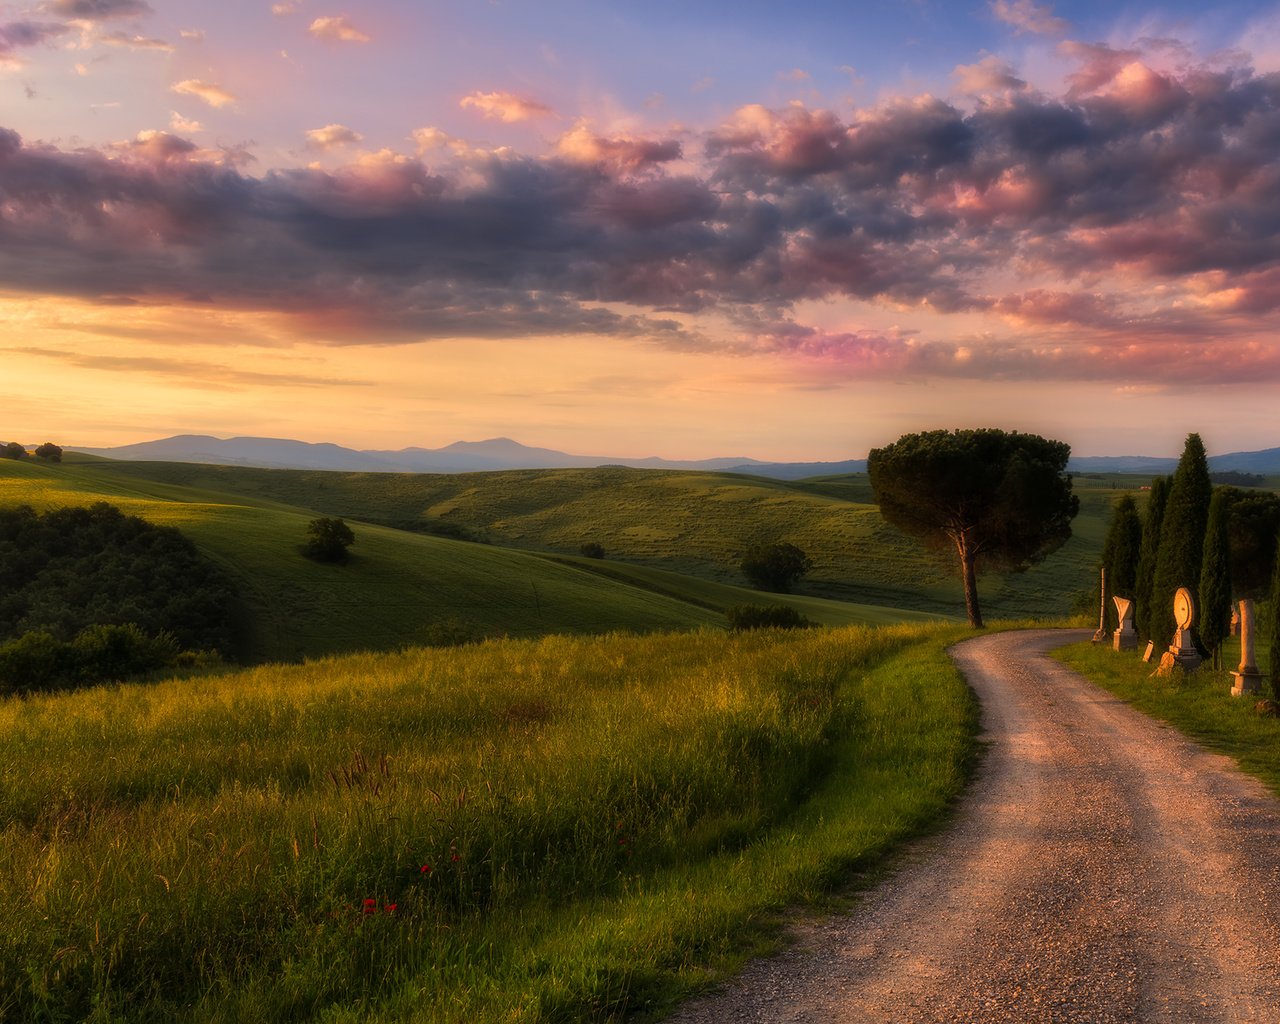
(1198, 704)
(569, 829)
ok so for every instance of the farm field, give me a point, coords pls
(556, 829)
(692, 523)
(400, 588)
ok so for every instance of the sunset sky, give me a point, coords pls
(689, 229)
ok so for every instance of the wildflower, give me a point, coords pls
(370, 906)
(425, 869)
(390, 908)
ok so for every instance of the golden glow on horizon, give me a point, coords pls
(79, 373)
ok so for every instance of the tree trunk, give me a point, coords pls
(970, 577)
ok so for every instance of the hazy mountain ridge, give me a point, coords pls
(501, 453)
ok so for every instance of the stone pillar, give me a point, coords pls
(1101, 635)
(1248, 678)
(1125, 638)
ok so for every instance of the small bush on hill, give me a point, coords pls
(328, 540)
(451, 633)
(50, 452)
(592, 549)
(13, 450)
(774, 567)
(757, 616)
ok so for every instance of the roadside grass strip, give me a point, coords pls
(566, 829)
(1198, 704)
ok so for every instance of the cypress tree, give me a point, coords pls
(1120, 553)
(1151, 525)
(1181, 551)
(1215, 577)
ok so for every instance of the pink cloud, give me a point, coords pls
(505, 106)
(871, 355)
(1027, 16)
(214, 95)
(133, 41)
(337, 28)
(332, 136)
(620, 154)
(1140, 205)
(990, 74)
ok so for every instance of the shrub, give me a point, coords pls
(118, 652)
(592, 549)
(760, 616)
(452, 632)
(102, 653)
(34, 661)
(774, 566)
(328, 539)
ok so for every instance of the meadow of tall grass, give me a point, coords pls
(560, 829)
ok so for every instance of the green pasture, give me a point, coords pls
(692, 523)
(565, 829)
(399, 588)
(395, 589)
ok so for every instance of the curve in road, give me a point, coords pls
(1101, 868)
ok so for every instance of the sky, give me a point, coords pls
(688, 229)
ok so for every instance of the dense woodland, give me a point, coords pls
(89, 593)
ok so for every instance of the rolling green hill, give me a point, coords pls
(399, 588)
(690, 523)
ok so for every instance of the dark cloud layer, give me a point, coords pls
(97, 10)
(18, 34)
(1148, 199)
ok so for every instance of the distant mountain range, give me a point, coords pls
(504, 453)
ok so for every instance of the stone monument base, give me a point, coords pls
(1246, 682)
(1124, 640)
(1184, 651)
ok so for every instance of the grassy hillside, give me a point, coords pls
(691, 523)
(521, 831)
(399, 588)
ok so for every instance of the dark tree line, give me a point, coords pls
(69, 569)
(1220, 543)
(48, 451)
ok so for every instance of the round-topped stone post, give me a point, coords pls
(1182, 652)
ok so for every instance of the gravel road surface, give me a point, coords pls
(1100, 869)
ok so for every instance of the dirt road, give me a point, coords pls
(1101, 869)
